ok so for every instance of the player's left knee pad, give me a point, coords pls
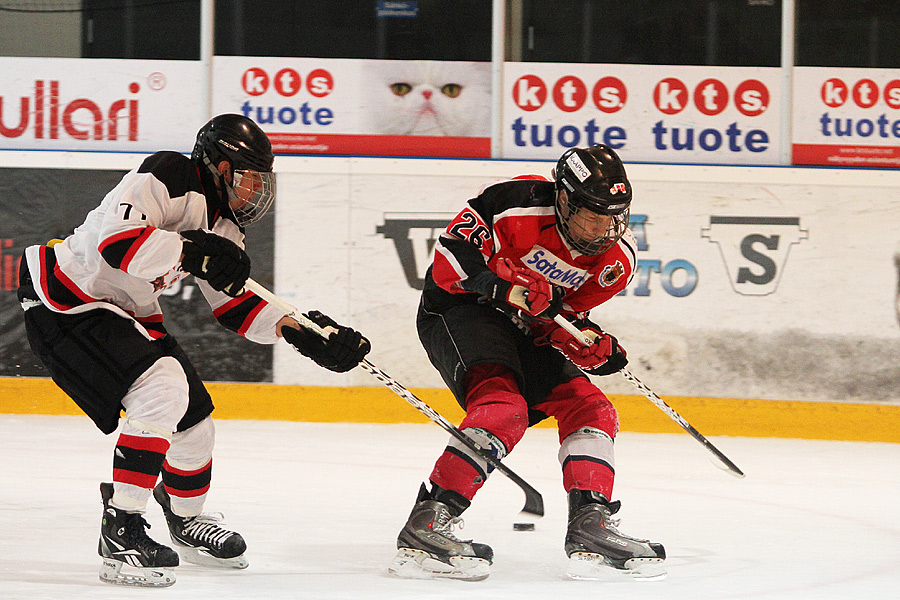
(159, 397)
(193, 447)
(154, 404)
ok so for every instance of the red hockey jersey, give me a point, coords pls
(516, 219)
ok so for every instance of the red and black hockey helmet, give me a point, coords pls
(592, 180)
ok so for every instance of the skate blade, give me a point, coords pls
(117, 572)
(418, 564)
(595, 567)
(196, 556)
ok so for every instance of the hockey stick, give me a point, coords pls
(646, 391)
(534, 502)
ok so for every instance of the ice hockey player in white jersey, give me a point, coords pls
(93, 318)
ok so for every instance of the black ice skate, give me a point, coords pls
(597, 550)
(201, 540)
(125, 543)
(427, 548)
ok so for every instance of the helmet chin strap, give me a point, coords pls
(229, 194)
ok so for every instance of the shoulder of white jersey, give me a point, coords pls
(174, 170)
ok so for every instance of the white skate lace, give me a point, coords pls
(205, 528)
(445, 525)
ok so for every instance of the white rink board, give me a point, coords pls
(779, 282)
(818, 323)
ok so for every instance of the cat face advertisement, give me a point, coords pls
(361, 107)
(650, 113)
(846, 117)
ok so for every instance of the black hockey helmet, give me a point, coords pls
(592, 180)
(240, 141)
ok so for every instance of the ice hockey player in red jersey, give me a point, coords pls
(521, 252)
(93, 318)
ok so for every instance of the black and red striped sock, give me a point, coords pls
(187, 484)
(138, 459)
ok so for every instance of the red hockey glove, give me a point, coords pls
(527, 291)
(604, 357)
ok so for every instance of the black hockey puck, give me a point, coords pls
(523, 526)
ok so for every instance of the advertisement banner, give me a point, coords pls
(360, 107)
(648, 113)
(845, 117)
(99, 104)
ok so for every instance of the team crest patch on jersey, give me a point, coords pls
(169, 279)
(158, 283)
(557, 271)
(610, 274)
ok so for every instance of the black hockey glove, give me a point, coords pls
(343, 350)
(218, 260)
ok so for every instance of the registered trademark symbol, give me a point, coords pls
(156, 81)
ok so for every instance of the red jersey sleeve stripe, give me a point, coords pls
(238, 314)
(250, 318)
(135, 246)
(233, 303)
(119, 249)
(52, 278)
(131, 234)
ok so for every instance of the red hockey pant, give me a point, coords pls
(494, 404)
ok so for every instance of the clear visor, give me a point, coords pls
(251, 194)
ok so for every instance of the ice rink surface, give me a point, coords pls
(320, 506)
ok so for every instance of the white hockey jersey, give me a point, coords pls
(127, 252)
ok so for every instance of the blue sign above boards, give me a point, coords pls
(388, 9)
